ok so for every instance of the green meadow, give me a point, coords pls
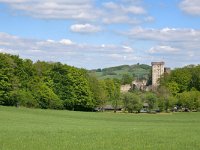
(37, 129)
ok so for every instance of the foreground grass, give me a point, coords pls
(35, 129)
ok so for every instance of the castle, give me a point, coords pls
(158, 69)
(157, 72)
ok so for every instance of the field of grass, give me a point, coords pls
(36, 129)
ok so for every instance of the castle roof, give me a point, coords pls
(158, 63)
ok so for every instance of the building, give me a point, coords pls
(158, 70)
(125, 88)
(136, 84)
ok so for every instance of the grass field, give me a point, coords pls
(36, 129)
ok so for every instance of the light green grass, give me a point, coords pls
(130, 70)
(35, 129)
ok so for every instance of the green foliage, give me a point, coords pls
(71, 85)
(150, 98)
(131, 102)
(126, 79)
(115, 68)
(5, 87)
(173, 87)
(183, 84)
(116, 98)
(195, 79)
(109, 73)
(138, 71)
(26, 99)
(43, 84)
(51, 85)
(190, 100)
(182, 79)
(112, 88)
(46, 97)
(22, 98)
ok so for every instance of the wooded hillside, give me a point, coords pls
(137, 71)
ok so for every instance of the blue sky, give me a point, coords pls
(97, 34)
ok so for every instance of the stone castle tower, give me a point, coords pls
(157, 71)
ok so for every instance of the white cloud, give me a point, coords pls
(111, 5)
(132, 9)
(116, 56)
(163, 49)
(4, 43)
(84, 28)
(165, 34)
(102, 55)
(191, 7)
(50, 41)
(67, 51)
(124, 12)
(178, 46)
(66, 42)
(122, 19)
(127, 49)
(126, 58)
(149, 19)
(55, 9)
(10, 51)
(127, 12)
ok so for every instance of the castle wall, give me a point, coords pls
(125, 88)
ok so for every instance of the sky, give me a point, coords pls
(95, 34)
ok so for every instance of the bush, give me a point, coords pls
(132, 102)
(47, 98)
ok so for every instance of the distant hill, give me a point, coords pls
(138, 71)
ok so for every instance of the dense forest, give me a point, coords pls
(53, 85)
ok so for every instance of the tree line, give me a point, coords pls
(52, 85)
(181, 88)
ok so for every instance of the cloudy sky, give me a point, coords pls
(102, 33)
